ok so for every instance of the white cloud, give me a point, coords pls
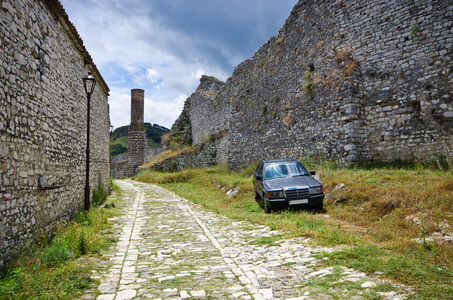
(120, 108)
(153, 76)
(165, 46)
(155, 112)
(164, 113)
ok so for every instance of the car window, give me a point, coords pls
(259, 169)
(285, 169)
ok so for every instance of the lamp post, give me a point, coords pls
(89, 82)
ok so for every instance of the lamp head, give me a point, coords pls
(89, 82)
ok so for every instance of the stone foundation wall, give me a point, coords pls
(42, 120)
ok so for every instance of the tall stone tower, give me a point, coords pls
(137, 132)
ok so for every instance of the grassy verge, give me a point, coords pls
(390, 221)
(60, 267)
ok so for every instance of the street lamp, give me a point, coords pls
(89, 82)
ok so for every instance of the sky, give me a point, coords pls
(165, 46)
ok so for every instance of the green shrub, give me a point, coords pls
(109, 205)
(101, 193)
(56, 254)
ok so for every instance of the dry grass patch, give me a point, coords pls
(401, 209)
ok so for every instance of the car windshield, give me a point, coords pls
(284, 169)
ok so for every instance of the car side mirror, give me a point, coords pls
(312, 173)
(258, 177)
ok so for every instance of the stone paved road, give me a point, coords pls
(170, 248)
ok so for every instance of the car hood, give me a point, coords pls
(291, 182)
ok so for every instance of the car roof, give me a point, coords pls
(278, 160)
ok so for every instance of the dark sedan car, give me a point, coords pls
(281, 183)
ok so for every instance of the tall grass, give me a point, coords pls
(58, 268)
(101, 192)
(377, 213)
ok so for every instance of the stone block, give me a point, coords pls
(350, 147)
(448, 114)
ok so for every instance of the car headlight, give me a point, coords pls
(316, 190)
(275, 194)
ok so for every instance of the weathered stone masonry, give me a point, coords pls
(43, 121)
(127, 164)
(137, 134)
(349, 81)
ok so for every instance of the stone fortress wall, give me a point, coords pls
(43, 126)
(350, 81)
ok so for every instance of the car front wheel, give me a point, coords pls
(257, 196)
(267, 208)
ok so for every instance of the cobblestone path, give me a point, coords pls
(170, 248)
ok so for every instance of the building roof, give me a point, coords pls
(57, 9)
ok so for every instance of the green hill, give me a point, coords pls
(119, 139)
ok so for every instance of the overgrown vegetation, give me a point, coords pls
(181, 135)
(414, 32)
(100, 193)
(394, 219)
(60, 266)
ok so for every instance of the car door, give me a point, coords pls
(258, 178)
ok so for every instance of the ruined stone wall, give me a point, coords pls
(43, 120)
(120, 167)
(152, 153)
(201, 156)
(117, 164)
(405, 78)
(119, 157)
(354, 81)
(208, 115)
(350, 81)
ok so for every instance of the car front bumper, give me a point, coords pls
(314, 200)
